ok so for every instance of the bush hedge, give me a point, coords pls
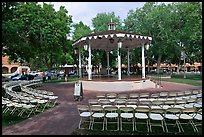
(188, 76)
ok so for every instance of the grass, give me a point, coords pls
(9, 119)
(183, 81)
(128, 130)
(70, 79)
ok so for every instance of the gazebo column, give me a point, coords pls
(143, 61)
(80, 74)
(89, 64)
(108, 64)
(128, 57)
(119, 60)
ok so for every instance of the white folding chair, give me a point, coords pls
(171, 118)
(141, 114)
(156, 115)
(111, 112)
(186, 117)
(85, 114)
(97, 114)
(126, 113)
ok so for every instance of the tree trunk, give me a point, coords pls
(158, 63)
(148, 69)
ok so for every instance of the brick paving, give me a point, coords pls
(64, 118)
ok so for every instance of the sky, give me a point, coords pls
(86, 11)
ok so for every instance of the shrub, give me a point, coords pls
(188, 76)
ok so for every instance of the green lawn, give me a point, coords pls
(142, 130)
(184, 81)
(70, 79)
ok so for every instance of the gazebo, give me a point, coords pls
(108, 41)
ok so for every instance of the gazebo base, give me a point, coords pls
(114, 85)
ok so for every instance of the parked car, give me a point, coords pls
(23, 77)
(5, 79)
(34, 73)
(13, 75)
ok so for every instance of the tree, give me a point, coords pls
(168, 25)
(100, 23)
(38, 32)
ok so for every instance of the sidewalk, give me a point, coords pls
(64, 119)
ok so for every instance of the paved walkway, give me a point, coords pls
(64, 119)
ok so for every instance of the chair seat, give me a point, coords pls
(112, 115)
(156, 116)
(126, 115)
(134, 106)
(86, 114)
(28, 106)
(98, 115)
(141, 115)
(190, 105)
(118, 106)
(178, 106)
(197, 116)
(171, 116)
(155, 107)
(165, 106)
(198, 105)
(185, 116)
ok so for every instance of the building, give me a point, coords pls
(13, 67)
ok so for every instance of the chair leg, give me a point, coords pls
(148, 125)
(177, 123)
(120, 124)
(193, 125)
(80, 123)
(162, 123)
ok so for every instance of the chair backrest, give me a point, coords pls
(111, 95)
(191, 100)
(131, 102)
(172, 94)
(195, 92)
(188, 92)
(96, 109)
(169, 102)
(110, 109)
(189, 110)
(157, 102)
(163, 94)
(83, 108)
(173, 110)
(144, 95)
(100, 95)
(126, 109)
(93, 102)
(154, 95)
(120, 102)
(134, 95)
(104, 102)
(122, 96)
(142, 109)
(181, 93)
(183, 101)
(157, 110)
(145, 102)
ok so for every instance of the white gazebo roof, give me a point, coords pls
(107, 40)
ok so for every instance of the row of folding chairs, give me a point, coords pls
(17, 108)
(40, 100)
(140, 115)
(165, 103)
(184, 94)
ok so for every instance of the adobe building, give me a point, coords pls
(13, 67)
